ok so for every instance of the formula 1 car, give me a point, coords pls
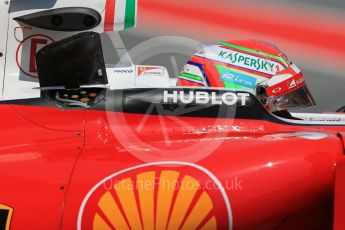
(88, 146)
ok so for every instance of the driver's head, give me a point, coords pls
(253, 66)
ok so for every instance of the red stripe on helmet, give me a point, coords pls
(109, 15)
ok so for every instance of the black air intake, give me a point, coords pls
(63, 19)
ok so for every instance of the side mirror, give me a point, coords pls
(72, 72)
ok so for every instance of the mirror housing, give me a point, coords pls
(72, 72)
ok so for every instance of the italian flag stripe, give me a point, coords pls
(131, 9)
(120, 11)
(120, 15)
(109, 15)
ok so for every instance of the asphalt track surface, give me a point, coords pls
(312, 34)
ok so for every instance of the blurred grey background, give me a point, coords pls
(310, 32)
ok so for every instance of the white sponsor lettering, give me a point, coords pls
(243, 97)
(203, 97)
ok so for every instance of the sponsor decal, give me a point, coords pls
(246, 61)
(286, 86)
(276, 90)
(151, 70)
(250, 62)
(300, 81)
(284, 60)
(161, 195)
(293, 84)
(5, 217)
(239, 79)
(204, 98)
(26, 53)
(123, 71)
(326, 119)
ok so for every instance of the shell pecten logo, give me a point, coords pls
(156, 198)
(5, 217)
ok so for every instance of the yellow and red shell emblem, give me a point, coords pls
(5, 217)
(160, 196)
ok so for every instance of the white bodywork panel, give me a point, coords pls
(20, 42)
(138, 76)
(24, 41)
(3, 38)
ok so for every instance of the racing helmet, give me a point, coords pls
(253, 66)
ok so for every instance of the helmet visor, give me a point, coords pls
(300, 97)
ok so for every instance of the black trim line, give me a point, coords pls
(150, 101)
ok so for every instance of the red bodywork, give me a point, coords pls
(273, 176)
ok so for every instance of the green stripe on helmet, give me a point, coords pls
(191, 76)
(233, 86)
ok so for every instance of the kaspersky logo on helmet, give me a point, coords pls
(254, 63)
(204, 97)
(249, 61)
